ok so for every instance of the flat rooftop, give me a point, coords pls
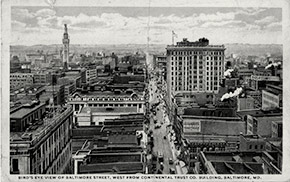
(220, 156)
(108, 110)
(39, 130)
(238, 167)
(116, 167)
(106, 94)
(261, 113)
(23, 111)
(253, 137)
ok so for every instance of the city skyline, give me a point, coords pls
(129, 25)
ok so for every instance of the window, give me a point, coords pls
(15, 165)
(250, 146)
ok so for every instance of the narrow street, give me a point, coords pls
(161, 138)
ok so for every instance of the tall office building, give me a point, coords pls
(65, 42)
(194, 66)
(40, 143)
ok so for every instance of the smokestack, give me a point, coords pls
(229, 95)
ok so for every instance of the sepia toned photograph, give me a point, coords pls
(145, 90)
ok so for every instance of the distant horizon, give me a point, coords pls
(142, 44)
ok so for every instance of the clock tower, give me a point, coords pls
(65, 42)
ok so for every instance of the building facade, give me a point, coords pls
(42, 78)
(107, 100)
(194, 66)
(43, 147)
(18, 80)
(91, 74)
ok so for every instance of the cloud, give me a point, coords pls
(16, 25)
(266, 20)
(21, 14)
(275, 26)
(163, 21)
(45, 13)
(250, 11)
(118, 28)
(229, 23)
(215, 17)
(90, 22)
(47, 21)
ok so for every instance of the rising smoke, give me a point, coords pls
(272, 64)
(228, 72)
(229, 95)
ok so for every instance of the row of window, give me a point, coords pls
(20, 76)
(188, 88)
(115, 105)
(44, 157)
(256, 147)
(62, 159)
(194, 68)
(104, 99)
(181, 59)
(12, 81)
(197, 52)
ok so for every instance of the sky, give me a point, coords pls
(129, 25)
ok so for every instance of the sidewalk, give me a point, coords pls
(172, 147)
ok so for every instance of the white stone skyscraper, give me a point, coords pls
(194, 66)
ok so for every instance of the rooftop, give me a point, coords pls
(38, 131)
(253, 137)
(221, 156)
(25, 110)
(108, 110)
(218, 127)
(261, 113)
(104, 94)
(107, 96)
(120, 139)
(201, 43)
(117, 167)
(28, 89)
(238, 168)
(234, 118)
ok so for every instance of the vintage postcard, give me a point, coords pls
(145, 90)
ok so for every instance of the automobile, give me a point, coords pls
(155, 121)
(154, 112)
(172, 171)
(157, 108)
(170, 160)
(164, 137)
